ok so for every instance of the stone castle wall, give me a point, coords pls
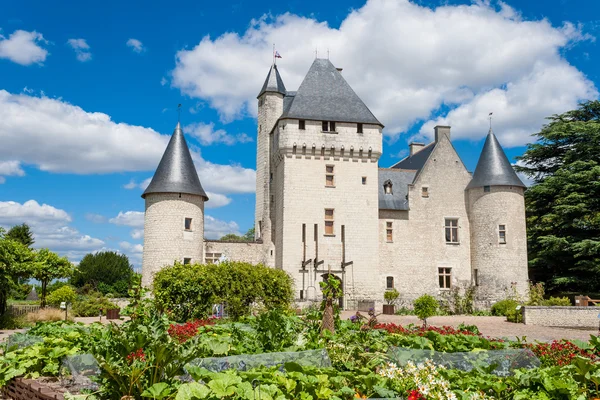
(165, 239)
(566, 317)
(251, 252)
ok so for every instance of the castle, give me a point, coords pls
(324, 206)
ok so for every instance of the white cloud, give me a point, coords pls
(23, 47)
(41, 130)
(216, 200)
(95, 218)
(216, 228)
(10, 168)
(405, 61)
(50, 228)
(207, 134)
(82, 49)
(137, 234)
(163, 82)
(133, 219)
(135, 45)
(131, 247)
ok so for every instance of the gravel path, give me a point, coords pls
(491, 326)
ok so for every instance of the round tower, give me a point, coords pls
(497, 222)
(174, 220)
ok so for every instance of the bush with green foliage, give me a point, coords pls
(64, 293)
(557, 301)
(190, 291)
(91, 304)
(501, 308)
(107, 272)
(425, 306)
(391, 296)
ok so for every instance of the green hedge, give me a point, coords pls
(189, 291)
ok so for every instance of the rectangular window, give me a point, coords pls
(212, 258)
(328, 126)
(502, 234)
(187, 261)
(325, 125)
(364, 180)
(359, 128)
(451, 228)
(445, 275)
(425, 192)
(389, 282)
(389, 232)
(476, 277)
(301, 124)
(188, 224)
(329, 176)
(486, 189)
(332, 126)
(329, 221)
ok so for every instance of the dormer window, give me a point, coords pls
(359, 128)
(328, 126)
(387, 187)
(302, 124)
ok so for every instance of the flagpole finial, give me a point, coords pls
(490, 116)
(178, 112)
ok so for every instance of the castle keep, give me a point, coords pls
(324, 206)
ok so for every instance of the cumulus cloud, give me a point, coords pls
(81, 48)
(50, 226)
(215, 228)
(95, 218)
(24, 47)
(216, 200)
(137, 234)
(207, 135)
(135, 45)
(10, 168)
(131, 247)
(41, 130)
(459, 57)
(134, 219)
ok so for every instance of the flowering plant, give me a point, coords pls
(184, 332)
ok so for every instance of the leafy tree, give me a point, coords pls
(49, 266)
(232, 237)
(425, 306)
(107, 270)
(15, 262)
(249, 236)
(563, 207)
(21, 233)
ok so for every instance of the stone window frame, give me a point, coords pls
(389, 231)
(449, 226)
(210, 258)
(330, 172)
(328, 126)
(501, 233)
(329, 218)
(359, 128)
(476, 277)
(445, 278)
(364, 180)
(388, 280)
(302, 124)
(425, 192)
(188, 227)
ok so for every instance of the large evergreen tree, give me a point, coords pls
(106, 271)
(22, 234)
(563, 206)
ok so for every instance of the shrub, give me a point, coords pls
(47, 314)
(91, 304)
(425, 306)
(502, 307)
(64, 293)
(391, 296)
(557, 301)
(188, 292)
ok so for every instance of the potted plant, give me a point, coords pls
(390, 297)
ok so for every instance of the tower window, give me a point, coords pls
(329, 176)
(425, 191)
(389, 282)
(328, 126)
(359, 128)
(302, 124)
(387, 187)
(187, 261)
(476, 277)
(364, 180)
(445, 277)
(451, 228)
(187, 225)
(486, 189)
(329, 221)
(389, 232)
(502, 234)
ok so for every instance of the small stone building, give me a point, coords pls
(325, 206)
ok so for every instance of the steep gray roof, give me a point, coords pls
(176, 172)
(493, 167)
(400, 180)
(325, 95)
(416, 161)
(273, 83)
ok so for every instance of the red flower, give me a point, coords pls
(185, 332)
(414, 395)
(136, 355)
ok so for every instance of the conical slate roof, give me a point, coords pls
(273, 83)
(493, 167)
(176, 172)
(325, 95)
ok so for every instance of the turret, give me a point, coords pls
(497, 221)
(174, 219)
(270, 107)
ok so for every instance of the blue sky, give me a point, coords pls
(88, 93)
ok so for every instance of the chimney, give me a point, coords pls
(340, 70)
(441, 130)
(415, 148)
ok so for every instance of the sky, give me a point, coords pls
(89, 93)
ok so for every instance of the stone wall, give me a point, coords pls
(251, 252)
(566, 317)
(29, 389)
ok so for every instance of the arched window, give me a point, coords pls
(387, 187)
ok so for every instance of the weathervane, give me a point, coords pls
(490, 115)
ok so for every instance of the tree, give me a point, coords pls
(425, 306)
(232, 237)
(15, 262)
(563, 207)
(107, 270)
(249, 236)
(21, 233)
(49, 266)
